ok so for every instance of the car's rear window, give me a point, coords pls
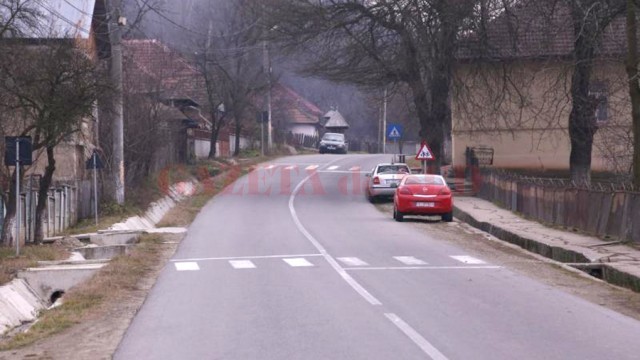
(426, 180)
(393, 169)
(333, 137)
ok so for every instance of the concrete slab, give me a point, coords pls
(19, 304)
(622, 262)
(46, 280)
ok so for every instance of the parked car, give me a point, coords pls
(384, 179)
(333, 143)
(423, 195)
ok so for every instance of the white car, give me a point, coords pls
(384, 179)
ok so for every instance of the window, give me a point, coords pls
(599, 92)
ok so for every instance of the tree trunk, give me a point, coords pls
(582, 125)
(9, 222)
(215, 130)
(634, 87)
(238, 125)
(43, 193)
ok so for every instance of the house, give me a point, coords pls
(511, 93)
(292, 113)
(335, 122)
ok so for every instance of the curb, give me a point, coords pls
(612, 273)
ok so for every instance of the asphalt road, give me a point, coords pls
(292, 262)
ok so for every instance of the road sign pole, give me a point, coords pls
(95, 186)
(17, 197)
(424, 166)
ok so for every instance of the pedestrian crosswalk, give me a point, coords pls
(310, 167)
(349, 262)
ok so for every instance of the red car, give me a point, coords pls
(423, 195)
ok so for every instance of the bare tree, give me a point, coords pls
(230, 60)
(633, 61)
(18, 17)
(52, 88)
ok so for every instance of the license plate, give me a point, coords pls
(331, 147)
(390, 182)
(425, 204)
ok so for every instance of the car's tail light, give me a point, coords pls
(445, 191)
(404, 190)
(376, 180)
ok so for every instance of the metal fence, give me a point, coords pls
(602, 209)
(66, 204)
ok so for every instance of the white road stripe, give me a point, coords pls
(248, 257)
(426, 268)
(468, 259)
(352, 261)
(422, 343)
(409, 260)
(311, 167)
(343, 172)
(334, 167)
(186, 266)
(269, 167)
(334, 264)
(290, 167)
(298, 262)
(242, 264)
(355, 168)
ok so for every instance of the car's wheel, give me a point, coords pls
(448, 217)
(321, 152)
(397, 215)
(372, 199)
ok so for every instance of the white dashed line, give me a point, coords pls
(409, 260)
(247, 257)
(478, 267)
(352, 261)
(290, 167)
(242, 264)
(186, 266)
(298, 262)
(334, 167)
(468, 259)
(311, 167)
(355, 168)
(269, 167)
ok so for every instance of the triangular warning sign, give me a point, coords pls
(394, 133)
(425, 153)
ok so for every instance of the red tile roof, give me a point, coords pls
(150, 66)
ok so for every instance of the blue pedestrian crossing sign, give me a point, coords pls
(394, 131)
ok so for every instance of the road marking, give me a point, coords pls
(355, 168)
(291, 167)
(269, 167)
(311, 167)
(298, 262)
(334, 264)
(248, 257)
(334, 167)
(422, 343)
(186, 266)
(409, 260)
(468, 259)
(352, 261)
(242, 264)
(426, 268)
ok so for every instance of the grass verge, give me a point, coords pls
(29, 256)
(121, 275)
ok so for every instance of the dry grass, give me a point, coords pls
(112, 282)
(29, 256)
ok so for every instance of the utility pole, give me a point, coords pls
(115, 73)
(384, 122)
(267, 66)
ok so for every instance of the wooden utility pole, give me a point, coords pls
(115, 72)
